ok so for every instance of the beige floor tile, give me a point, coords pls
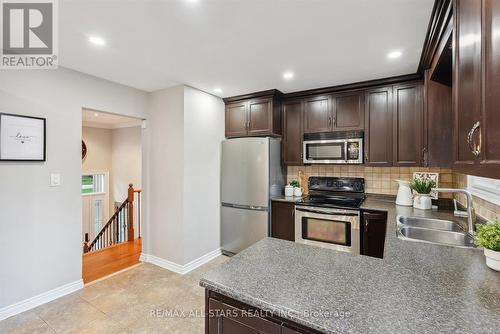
(68, 313)
(25, 323)
(129, 302)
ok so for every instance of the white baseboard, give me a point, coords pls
(45, 297)
(178, 268)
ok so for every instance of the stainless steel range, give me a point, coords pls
(329, 216)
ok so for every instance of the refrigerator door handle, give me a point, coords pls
(246, 207)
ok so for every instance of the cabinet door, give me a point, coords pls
(283, 221)
(438, 124)
(236, 119)
(373, 233)
(408, 121)
(378, 127)
(317, 114)
(292, 133)
(348, 111)
(238, 322)
(490, 120)
(466, 79)
(260, 117)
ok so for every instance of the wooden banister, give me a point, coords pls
(119, 228)
(131, 212)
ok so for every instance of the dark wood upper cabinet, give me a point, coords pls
(373, 229)
(490, 118)
(317, 114)
(476, 88)
(283, 220)
(260, 116)
(378, 127)
(256, 114)
(348, 111)
(438, 124)
(467, 78)
(236, 119)
(292, 132)
(408, 121)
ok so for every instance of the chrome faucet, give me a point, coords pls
(471, 216)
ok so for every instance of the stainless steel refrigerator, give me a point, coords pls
(251, 174)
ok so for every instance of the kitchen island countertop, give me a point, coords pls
(416, 287)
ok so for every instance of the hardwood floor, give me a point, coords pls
(110, 260)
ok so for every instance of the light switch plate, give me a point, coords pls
(55, 180)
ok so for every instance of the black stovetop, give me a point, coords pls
(335, 192)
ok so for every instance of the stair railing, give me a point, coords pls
(120, 227)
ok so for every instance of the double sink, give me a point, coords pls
(435, 231)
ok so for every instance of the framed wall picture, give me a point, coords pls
(22, 138)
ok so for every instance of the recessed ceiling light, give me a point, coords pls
(394, 54)
(288, 75)
(96, 40)
(96, 114)
(218, 90)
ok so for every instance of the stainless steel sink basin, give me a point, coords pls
(429, 223)
(458, 239)
(435, 231)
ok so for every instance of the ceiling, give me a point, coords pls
(104, 120)
(242, 46)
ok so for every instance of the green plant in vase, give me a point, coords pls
(295, 184)
(488, 236)
(422, 188)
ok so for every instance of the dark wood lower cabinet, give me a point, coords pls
(283, 220)
(225, 315)
(373, 229)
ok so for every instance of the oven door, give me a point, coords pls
(325, 151)
(328, 228)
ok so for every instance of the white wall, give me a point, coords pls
(203, 134)
(126, 161)
(126, 166)
(185, 128)
(99, 150)
(41, 226)
(163, 164)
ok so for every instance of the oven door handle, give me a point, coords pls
(331, 213)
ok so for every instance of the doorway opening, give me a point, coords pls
(111, 183)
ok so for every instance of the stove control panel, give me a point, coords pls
(347, 184)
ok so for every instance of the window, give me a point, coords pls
(487, 189)
(98, 215)
(93, 184)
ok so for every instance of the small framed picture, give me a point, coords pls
(22, 138)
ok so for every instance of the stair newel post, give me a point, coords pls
(86, 243)
(130, 224)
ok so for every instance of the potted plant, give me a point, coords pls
(422, 188)
(297, 190)
(289, 189)
(488, 236)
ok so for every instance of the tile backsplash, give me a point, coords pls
(483, 208)
(378, 180)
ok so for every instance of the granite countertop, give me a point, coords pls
(288, 199)
(416, 287)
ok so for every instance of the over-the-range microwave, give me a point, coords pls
(333, 148)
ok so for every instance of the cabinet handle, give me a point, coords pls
(424, 156)
(335, 121)
(366, 157)
(475, 149)
(329, 121)
(366, 226)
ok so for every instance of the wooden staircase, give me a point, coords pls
(114, 247)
